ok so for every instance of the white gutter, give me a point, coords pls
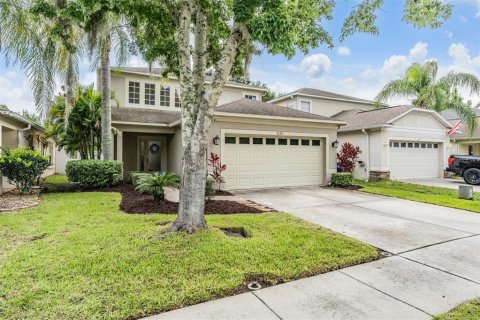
(291, 95)
(367, 136)
(268, 117)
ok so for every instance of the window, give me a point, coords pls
(149, 94)
(396, 144)
(417, 145)
(403, 145)
(165, 96)
(294, 142)
(178, 103)
(244, 140)
(257, 140)
(305, 106)
(429, 146)
(134, 92)
(424, 145)
(250, 97)
(315, 143)
(270, 141)
(230, 140)
(282, 142)
(410, 145)
(435, 145)
(291, 104)
(305, 142)
(470, 150)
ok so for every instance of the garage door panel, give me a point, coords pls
(257, 166)
(414, 162)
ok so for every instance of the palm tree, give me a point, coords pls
(105, 32)
(31, 41)
(426, 90)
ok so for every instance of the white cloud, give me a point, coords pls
(462, 60)
(282, 88)
(316, 65)
(476, 4)
(343, 51)
(449, 34)
(419, 51)
(16, 95)
(135, 62)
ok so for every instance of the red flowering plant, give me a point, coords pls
(347, 157)
(217, 169)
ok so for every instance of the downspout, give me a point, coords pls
(19, 136)
(367, 136)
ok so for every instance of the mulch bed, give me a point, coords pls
(14, 201)
(223, 193)
(354, 187)
(134, 202)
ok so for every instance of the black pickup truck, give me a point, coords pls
(467, 167)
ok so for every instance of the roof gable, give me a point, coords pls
(312, 92)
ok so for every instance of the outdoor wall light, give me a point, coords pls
(335, 144)
(216, 140)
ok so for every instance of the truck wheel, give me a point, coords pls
(472, 176)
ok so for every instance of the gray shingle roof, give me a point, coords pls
(357, 119)
(20, 118)
(253, 107)
(143, 115)
(324, 94)
(451, 115)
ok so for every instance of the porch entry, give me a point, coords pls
(150, 154)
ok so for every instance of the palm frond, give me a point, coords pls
(461, 80)
(400, 88)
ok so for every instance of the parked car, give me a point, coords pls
(467, 167)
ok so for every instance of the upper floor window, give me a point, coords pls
(250, 97)
(149, 94)
(165, 96)
(305, 106)
(291, 104)
(177, 98)
(134, 92)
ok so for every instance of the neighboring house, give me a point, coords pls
(17, 131)
(262, 144)
(321, 102)
(397, 142)
(462, 141)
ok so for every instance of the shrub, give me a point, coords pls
(94, 173)
(343, 179)
(217, 169)
(209, 190)
(23, 167)
(135, 176)
(154, 184)
(348, 156)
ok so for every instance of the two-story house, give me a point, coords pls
(397, 142)
(262, 144)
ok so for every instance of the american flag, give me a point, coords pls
(454, 129)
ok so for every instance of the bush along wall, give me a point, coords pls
(95, 173)
(22, 167)
(342, 179)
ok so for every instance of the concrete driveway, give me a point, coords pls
(434, 263)
(441, 182)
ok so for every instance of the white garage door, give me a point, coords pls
(413, 160)
(262, 162)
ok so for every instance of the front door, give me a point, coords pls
(150, 155)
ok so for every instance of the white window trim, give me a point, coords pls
(309, 102)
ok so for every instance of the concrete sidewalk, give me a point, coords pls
(434, 265)
(441, 182)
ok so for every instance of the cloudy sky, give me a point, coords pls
(359, 66)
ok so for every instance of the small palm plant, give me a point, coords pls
(155, 184)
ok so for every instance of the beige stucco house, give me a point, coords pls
(463, 142)
(396, 142)
(17, 131)
(262, 144)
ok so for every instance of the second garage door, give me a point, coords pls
(414, 160)
(263, 161)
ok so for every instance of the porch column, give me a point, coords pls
(120, 145)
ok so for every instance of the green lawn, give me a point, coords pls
(76, 256)
(467, 311)
(56, 178)
(434, 195)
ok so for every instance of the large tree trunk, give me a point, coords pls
(107, 141)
